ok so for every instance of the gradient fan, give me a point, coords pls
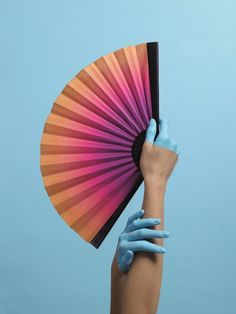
(93, 136)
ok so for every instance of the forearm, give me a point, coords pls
(117, 283)
(141, 289)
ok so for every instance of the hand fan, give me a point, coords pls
(93, 136)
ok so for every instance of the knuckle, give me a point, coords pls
(140, 233)
(142, 244)
(124, 245)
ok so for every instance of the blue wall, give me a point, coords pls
(44, 266)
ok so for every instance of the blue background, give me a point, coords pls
(44, 266)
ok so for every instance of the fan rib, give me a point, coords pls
(93, 92)
(64, 181)
(67, 194)
(94, 97)
(50, 160)
(92, 106)
(95, 122)
(92, 221)
(106, 67)
(70, 142)
(115, 64)
(105, 88)
(143, 61)
(131, 56)
(60, 166)
(86, 134)
(78, 125)
(55, 189)
(70, 203)
(102, 233)
(47, 149)
(121, 56)
(72, 215)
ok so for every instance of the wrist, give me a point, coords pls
(156, 183)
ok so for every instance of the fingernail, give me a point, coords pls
(166, 233)
(142, 211)
(151, 121)
(163, 250)
(157, 221)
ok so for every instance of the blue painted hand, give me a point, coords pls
(133, 239)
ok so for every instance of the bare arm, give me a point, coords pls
(139, 289)
(117, 284)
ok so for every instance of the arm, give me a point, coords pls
(117, 282)
(140, 288)
(143, 283)
(130, 240)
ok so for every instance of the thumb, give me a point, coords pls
(151, 131)
(128, 257)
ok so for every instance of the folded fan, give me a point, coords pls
(92, 139)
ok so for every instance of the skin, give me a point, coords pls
(136, 289)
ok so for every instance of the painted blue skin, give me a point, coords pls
(132, 238)
(163, 139)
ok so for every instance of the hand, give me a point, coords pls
(132, 239)
(159, 157)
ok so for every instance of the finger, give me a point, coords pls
(145, 246)
(164, 127)
(136, 215)
(142, 223)
(146, 233)
(123, 267)
(126, 260)
(151, 131)
(171, 145)
(128, 257)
